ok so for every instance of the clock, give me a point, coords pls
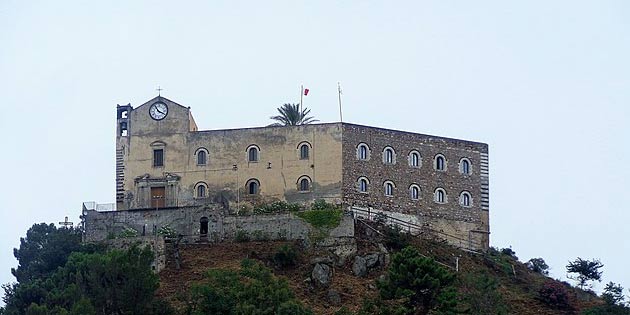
(158, 111)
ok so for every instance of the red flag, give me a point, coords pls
(305, 91)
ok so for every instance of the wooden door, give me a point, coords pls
(158, 197)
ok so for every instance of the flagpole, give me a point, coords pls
(301, 96)
(339, 94)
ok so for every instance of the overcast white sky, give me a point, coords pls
(545, 83)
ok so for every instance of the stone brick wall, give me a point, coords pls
(425, 176)
(106, 225)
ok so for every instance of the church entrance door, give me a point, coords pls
(158, 197)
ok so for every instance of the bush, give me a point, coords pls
(259, 235)
(480, 293)
(395, 239)
(128, 232)
(252, 290)
(538, 265)
(242, 236)
(419, 283)
(276, 207)
(321, 204)
(328, 218)
(554, 294)
(286, 256)
(167, 232)
(509, 252)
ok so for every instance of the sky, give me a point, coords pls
(545, 83)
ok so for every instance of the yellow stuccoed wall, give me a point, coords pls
(278, 169)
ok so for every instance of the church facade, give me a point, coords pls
(164, 161)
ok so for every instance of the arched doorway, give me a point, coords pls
(203, 226)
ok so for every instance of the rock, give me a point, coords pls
(321, 260)
(371, 260)
(321, 275)
(359, 268)
(383, 259)
(382, 248)
(343, 252)
(333, 297)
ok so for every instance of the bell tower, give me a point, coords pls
(123, 113)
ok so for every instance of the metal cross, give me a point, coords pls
(159, 90)
(66, 223)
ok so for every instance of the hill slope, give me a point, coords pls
(488, 283)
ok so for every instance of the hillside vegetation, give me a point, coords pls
(59, 275)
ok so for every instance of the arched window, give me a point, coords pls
(440, 195)
(414, 192)
(363, 152)
(464, 166)
(440, 162)
(252, 153)
(389, 188)
(363, 184)
(304, 152)
(253, 186)
(305, 184)
(389, 156)
(201, 190)
(202, 156)
(465, 200)
(414, 159)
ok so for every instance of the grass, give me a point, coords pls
(325, 218)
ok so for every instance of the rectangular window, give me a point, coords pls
(158, 157)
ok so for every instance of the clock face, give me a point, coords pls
(158, 111)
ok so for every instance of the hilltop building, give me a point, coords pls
(164, 162)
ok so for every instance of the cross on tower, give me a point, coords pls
(159, 90)
(66, 223)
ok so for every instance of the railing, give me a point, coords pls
(91, 205)
(414, 229)
(375, 215)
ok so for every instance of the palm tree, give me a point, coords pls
(290, 115)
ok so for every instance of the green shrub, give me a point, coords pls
(242, 236)
(538, 265)
(167, 232)
(259, 235)
(327, 218)
(479, 292)
(286, 256)
(554, 294)
(419, 283)
(252, 290)
(321, 204)
(509, 252)
(395, 239)
(128, 232)
(276, 207)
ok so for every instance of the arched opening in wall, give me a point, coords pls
(203, 226)
(363, 151)
(304, 152)
(362, 184)
(464, 166)
(389, 188)
(202, 156)
(389, 156)
(253, 152)
(414, 192)
(414, 159)
(440, 163)
(253, 186)
(304, 184)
